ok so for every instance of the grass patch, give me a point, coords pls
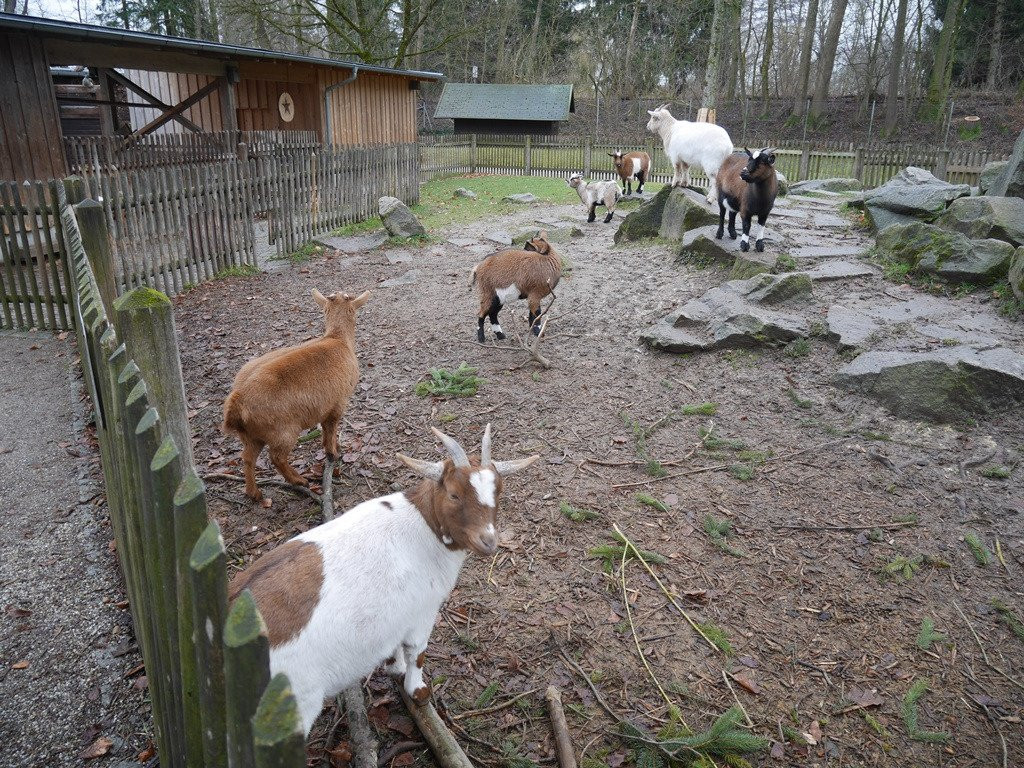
(701, 409)
(798, 348)
(742, 472)
(981, 554)
(485, 698)
(1008, 304)
(462, 382)
(577, 514)
(304, 254)
(718, 531)
(242, 270)
(995, 473)
(611, 554)
(717, 636)
(1007, 617)
(927, 637)
(798, 401)
(652, 502)
(784, 263)
(909, 708)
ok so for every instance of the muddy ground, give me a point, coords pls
(822, 645)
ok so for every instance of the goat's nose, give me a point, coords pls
(488, 541)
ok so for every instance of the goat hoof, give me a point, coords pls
(480, 336)
(719, 234)
(759, 246)
(744, 246)
(421, 694)
(255, 495)
(607, 218)
(499, 335)
(536, 330)
(732, 235)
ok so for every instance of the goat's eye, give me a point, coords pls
(453, 496)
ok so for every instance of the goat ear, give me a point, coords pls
(543, 234)
(432, 470)
(506, 468)
(319, 298)
(749, 153)
(612, 154)
(361, 299)
(771, 158)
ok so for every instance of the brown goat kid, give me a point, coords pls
(281, 394)
(632, 165)
(529, 273)
(747, 186)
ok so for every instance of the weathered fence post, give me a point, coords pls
(942, 167)
(92, 222)
(527, 158)
(278, 737)
(805, 161)
(145, 322)
(588, 149)
(858, 164)
(247, 671)
(472, 153)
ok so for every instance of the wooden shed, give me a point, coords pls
(190, 86)
(505, 109)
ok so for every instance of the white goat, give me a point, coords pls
(703, 144)
(366, 587)
(595, 193)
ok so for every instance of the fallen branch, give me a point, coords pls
(301, 490)
(360, 734)
(883, 526)
(563, 744)
(495, 708)
(395, 750)
(440, 738)
(327, 503)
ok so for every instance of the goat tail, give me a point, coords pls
(234, 423)
(472, 279)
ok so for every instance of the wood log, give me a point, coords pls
(563, 744)
(440, 738)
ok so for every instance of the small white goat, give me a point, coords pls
(595, 193)
(703, 144)
(366, 587)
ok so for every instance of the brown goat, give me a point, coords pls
(632, 165)
(528, 273)
(747, 185)
(284, 392)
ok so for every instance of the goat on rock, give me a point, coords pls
(747, 186)
(531, 272)
(687, 143)
(280, 394)
(632, 165)
(366, 587)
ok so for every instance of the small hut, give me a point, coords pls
(505, 109)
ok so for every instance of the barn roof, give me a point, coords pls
(75, 32)
(505, 102)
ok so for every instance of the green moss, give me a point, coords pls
(577, 514)
(244, 623)
(702, 409)
(652, 502)
(165, 454)
(981, 554)
(143, 297)
(910, 715)
(995, 473)
(784, 263)
(277, 715)
(742, 472)
(208, 547)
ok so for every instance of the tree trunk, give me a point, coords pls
(827, 60)
(712, 75)
(766, 58)
(10, 6)
(938, 85)
(892, 106)
(804, 75)
(534, 36)
(996, 46)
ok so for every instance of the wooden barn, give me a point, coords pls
(505, 109)
(59, 79)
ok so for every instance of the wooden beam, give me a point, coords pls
(174, 111)
(93, 54)
(228, 106)
(131, 85)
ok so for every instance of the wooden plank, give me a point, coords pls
(150, 98)
(177, 109)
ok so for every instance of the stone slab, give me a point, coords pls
(355, 243)
(409, 278)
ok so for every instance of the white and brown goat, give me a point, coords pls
(747, 185)
(530, 272)
(366, 587)
(632, 165)
(595, 193)
(279, 395)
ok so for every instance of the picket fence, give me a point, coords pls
(214, 704)
(872, 164)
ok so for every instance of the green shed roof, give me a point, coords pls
(505, 102)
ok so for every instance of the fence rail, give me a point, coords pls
(872, 164)
(214, 704)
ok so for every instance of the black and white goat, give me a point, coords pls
(747, 185)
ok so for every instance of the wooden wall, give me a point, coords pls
(30, 138)
(375, 109)
(170, 88)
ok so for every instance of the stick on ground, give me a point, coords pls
(360, 733)
(440, 738)
(563, 744)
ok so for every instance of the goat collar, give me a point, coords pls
(423, 499)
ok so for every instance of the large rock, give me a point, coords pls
(398, 220)
(1016, 273)
(879, 218)
(522, 198)
(555, 234)
(981, 217)
(826, 185)
(952, 255)
(1010, 182)
(645, 221)
(784, 185)
(702, 250)
(989, 174)
(684, 210)
(746, 265)
(463, 192)
(734, 315)
(946, 385)
(912, 192)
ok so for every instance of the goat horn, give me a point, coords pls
(456, 451)
(485, 448)
(432, 470)
(506, 468)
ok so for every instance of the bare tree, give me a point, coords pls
(804, 74)
(766, 57)
(827, 59)
(995, 47)
(896, 68)
(942, 66)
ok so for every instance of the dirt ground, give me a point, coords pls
(822, 646)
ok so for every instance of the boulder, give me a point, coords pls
(398, 220)
(986, 216)
(778, 289)
(1016, 273)
(1010, 182)
(879, 218)
(555, 234)
(746, 265)
(784, 186)
(912, 192)
(952, 255)
(947, 384)
(645, 221)
(989, 174)
(522, 198)
(826, 185)
(702, 250)
(463, 192)
(684, 210)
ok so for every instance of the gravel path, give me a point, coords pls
(65, 641)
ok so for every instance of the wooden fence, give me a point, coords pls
(872, 164)
(214, 704)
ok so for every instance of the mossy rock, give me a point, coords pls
(989, 174)
(1016, 273)
(1001, 218)
(778, 289)
(703, 251)
(555, 234)
(684, 210)
(746, 265)
(952, 255)
(645, 221)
